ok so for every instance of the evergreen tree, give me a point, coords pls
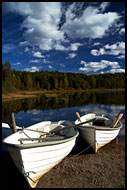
(65, 82)
(21, 80)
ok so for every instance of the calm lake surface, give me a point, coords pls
(63, 107)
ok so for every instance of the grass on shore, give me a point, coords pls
(34, 93)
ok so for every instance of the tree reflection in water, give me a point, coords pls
(63, 107)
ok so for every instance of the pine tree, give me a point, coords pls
(28, 82)
(65, 82)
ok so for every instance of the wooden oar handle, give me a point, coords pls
(78, 116)
(120, 116)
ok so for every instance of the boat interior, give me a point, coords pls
(101, 120)
(43, 132)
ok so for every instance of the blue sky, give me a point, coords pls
(79, 37)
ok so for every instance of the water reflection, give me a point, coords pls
(63, 107)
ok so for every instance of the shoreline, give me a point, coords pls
(32, 94)
(105, 169)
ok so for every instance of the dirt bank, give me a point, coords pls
(106, 169)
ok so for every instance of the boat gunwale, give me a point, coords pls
(105, 128)
(40, 144)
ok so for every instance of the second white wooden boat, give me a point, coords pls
(38, 148)
(100, 131)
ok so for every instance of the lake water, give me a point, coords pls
(63, 107)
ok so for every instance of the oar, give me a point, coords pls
(78, 116)
(120, 116)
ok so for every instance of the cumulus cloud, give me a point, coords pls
(34, 61)
(98, 66)
(116, 71)
(71, 55)
(114, 49)
(122, 31)
(93, 23)
(23, 43)
(74, 46)
(26, 49)
(104, 5)
(42, 23)
(41, 20)
(96, 44)
(38, 54)
(50, 67)
(71, 47)
(32, 69)
(60, 47)
(18, 63)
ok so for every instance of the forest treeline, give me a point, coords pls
(13, 81)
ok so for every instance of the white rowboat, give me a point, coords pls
(99, 132)
(40, 147)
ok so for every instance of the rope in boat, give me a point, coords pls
(24, 132)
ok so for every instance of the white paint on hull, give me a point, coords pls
(38, 160)
(97, 136)
(104, 137)
(35, 159)
(41, 159)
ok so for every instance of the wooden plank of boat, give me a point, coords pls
(34, 155)
(101, 131)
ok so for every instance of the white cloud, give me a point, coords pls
(114, 49)
(42, 21)
(50, 67)
(122, 31)
(104, 5)
(98, 66)
(34, 61)
(71, 47)
(32, 69)
(121, 57)
(71, 55)
(91, 24)
(95, 52)
(46, 44)
(96, 44)
(18, 63)
(74, 46)
(60, 47)
(38, 54)
(23, 43)
(117, 71)
(26, 49)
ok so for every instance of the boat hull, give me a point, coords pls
(103, 137)
(38, 148)
(97, 136)
(35, 162)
